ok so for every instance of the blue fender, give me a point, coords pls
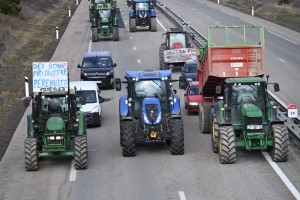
(152, 13)
(176, 105)
(131, 13)
(123, 106)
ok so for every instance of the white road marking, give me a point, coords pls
(73, 172)
(218, 22)
(181, 195)
(125, 22)
(138, 60)
(282, 37)
(127, 29)
(208, 17)
(283, 177)
(281, 60)
(161, 25)
(130, 37)
(90, 46)
(227, 13)
(247, 21)
(134, 48)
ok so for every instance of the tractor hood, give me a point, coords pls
(143, 13)
(55, 124)
(151, 111)
(251, 110)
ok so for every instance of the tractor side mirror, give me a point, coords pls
(218, 89)
(276, 87)
(26, 101)
(118, 84)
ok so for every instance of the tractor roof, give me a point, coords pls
(176, 30)
(56, 93)
(245, 80)
(149, 74)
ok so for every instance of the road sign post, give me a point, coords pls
(292, 111)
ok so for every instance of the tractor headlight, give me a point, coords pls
(145, 118)
(104, 26)
(193, 104)
(95, 110)
(59, 137)
(254, 127)
(51, 138)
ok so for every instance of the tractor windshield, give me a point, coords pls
(54, 105)
(177, 40)
(142, 6)
(105, 13)
(242, 94)
(100, 2)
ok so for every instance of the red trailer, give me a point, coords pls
(231, 51)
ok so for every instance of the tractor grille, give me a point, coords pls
(252, 121)
(152, 111)
(55, 142)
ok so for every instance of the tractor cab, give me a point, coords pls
(176, 38)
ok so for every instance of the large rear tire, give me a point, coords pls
(153, 24)
(280, 151)
(177, 137)
(227, 151)
(132, 25)
(115, 33)
(127, 139)
(31, 159)
(81, 153)
(95, 36)
(204, 119)
(214, 131)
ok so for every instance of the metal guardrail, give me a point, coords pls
(199, 40)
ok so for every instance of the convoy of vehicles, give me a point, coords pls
(225, 85)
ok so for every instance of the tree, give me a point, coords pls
(285, 2)
(10, 7)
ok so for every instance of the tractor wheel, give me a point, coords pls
(204, 119)
(214, 131)
(153, 24)
(95, 36)
(115, 33)
(177, 137)
(132, 25)
(28, 126)
(81, 153)
(280, 151)
(31, 159)
(127, 139)
(227, 152)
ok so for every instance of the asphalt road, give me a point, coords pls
(154, 173)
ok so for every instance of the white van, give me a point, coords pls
(92, 108)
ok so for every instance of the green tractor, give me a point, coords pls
(55, 128)
(105, 23)
(104, 3)
(245, 117)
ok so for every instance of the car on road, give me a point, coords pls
(92, 108)
(188, 73)
(98, 66)
(192, 98)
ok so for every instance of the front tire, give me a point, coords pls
(177, 137)
(95, 36)
(115, 33)
(81, 153)
(204, 119)
(214, 131)
(31, 158)
(227, 151)
(127, 139)
(132, 25)
(153, 24)
(280, 151)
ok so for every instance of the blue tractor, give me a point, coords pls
(142, 14)
(150, 111)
